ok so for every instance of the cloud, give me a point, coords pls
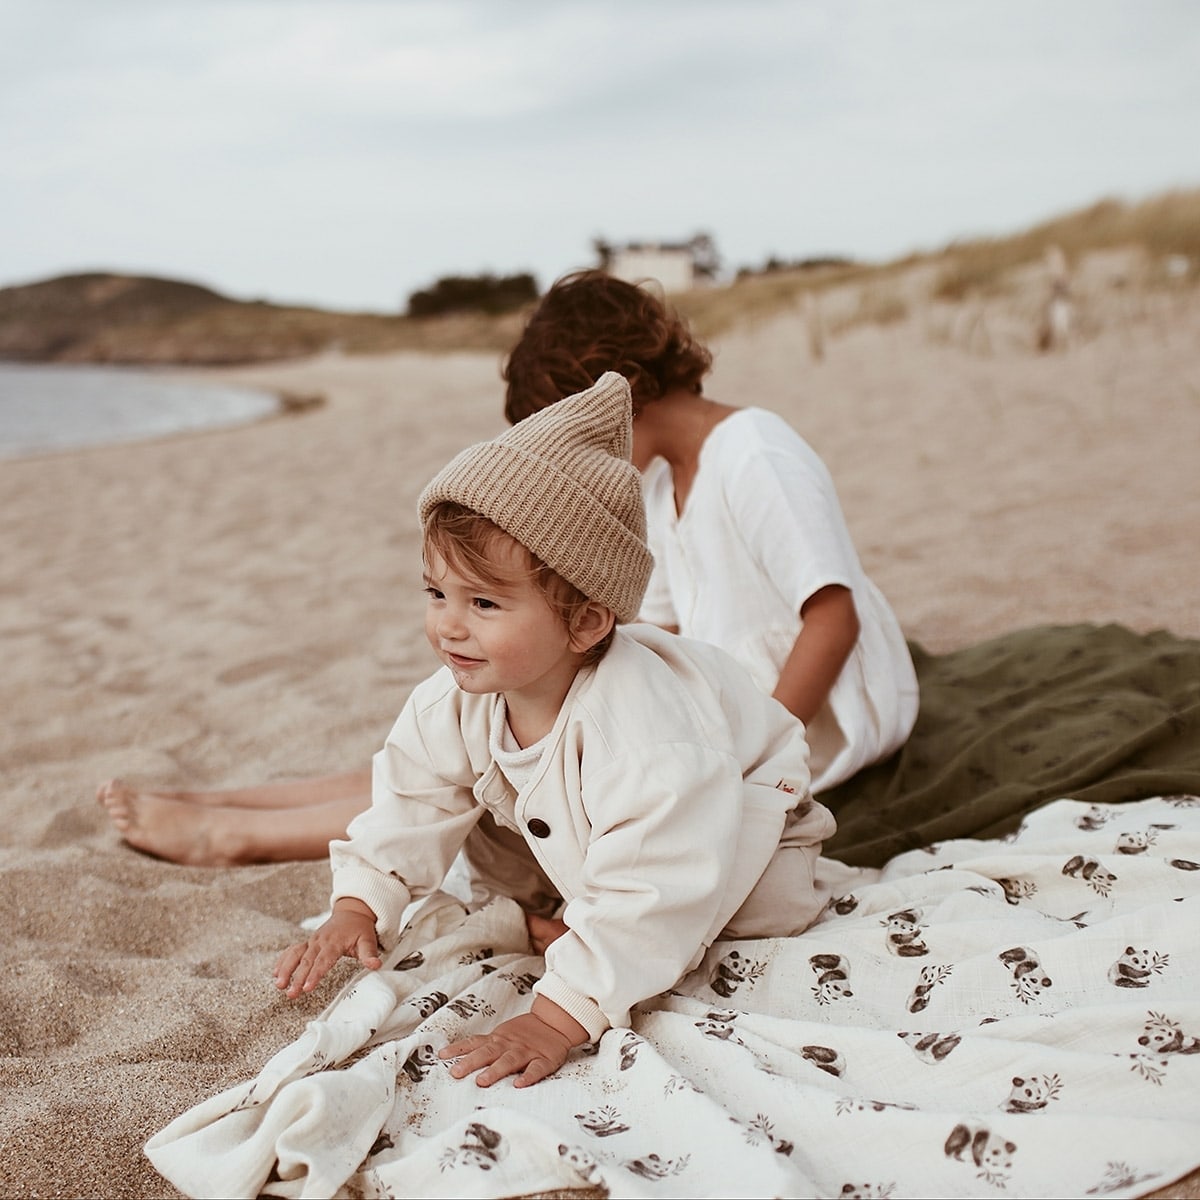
(347, 153)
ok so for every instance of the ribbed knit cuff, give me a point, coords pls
(380, 894)
(583, 1008)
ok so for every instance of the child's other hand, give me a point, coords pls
(524, 1046)
(543, 931)
(350, 931)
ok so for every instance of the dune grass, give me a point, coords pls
(1165, 227)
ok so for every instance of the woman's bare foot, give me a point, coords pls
(172, 826)
(169, 825)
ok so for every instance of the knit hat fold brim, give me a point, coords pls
(561, 483)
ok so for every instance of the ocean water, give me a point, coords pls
(53, 407)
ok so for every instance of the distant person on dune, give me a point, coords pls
(752, 554)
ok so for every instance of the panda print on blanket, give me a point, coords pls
(1092, 872)
(420, 1062)
(931, 975)
(1163, 1036)
(833, 977)
(582, 1163)
(1137, 968)
(732, 971)
(990, 1153)
(1032, 1094)
(1028, 978)
(480, 1147)
(903, 937)
(1162, 1039)
(931, 1048)
(1139, 841)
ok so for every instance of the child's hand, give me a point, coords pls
(350, 931)
(524, 1044)
(544, 930)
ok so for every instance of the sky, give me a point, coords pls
(346, 153)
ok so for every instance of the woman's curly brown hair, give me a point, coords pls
(588, 323)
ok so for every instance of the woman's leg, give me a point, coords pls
(292, 793)
(213, 835)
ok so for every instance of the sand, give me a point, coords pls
(237, 606)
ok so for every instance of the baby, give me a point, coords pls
(635, 785)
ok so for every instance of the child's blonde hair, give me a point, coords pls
(468, 542)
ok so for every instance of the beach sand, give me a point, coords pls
(238, 606)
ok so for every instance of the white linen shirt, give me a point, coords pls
(667, 783)
(761, 531)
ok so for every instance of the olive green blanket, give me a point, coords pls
(1096, 713)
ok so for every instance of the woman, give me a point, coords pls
(752, 553)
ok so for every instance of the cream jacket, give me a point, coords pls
(666, 787)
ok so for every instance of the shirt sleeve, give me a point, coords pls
(785, 507)
(675, 850)
(401, 848)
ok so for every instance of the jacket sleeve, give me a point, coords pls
(400, 848)
(675, 849)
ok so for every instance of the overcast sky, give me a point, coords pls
(348, 152)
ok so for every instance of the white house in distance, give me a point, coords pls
(676, 266)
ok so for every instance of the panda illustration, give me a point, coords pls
(993, 1155)
(1162, 1036)
(1033, 1094)
(429, 1004)
(825, 1058)
(628, 1051)
(655, 1167)
(931, 976)
(1092, 872)
(833, 977)
(420, 1062)
(931, 1047)
(904, 934)
(721, 1030)
(1134, 843)
(523, 983)
(582, 1163)
(1136, 968)
(1016, 890)
(1095, 818)
(729, 975)
(1028, 980)
(481, 1147)
(469, 1005)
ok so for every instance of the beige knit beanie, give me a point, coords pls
(561, 483)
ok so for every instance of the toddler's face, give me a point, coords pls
(499, 639)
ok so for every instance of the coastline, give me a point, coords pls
(245, 604)
(51, 408)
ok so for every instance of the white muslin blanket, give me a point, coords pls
(982, 1018)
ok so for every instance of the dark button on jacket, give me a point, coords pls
(539, 828)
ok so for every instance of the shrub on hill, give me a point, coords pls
(473, 293)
